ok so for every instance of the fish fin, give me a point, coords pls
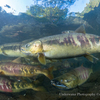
(81, 29)
(82, 65)
(2, 73)
(41, 58)
(49, 74)
(17, 60)
(4, 53)
(90, 57)
(95, 57)
(54, 60)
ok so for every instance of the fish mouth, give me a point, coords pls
(28, 53)
(59, 85)
(25, 52)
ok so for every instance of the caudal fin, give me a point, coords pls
(49, 73)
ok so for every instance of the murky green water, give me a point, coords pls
(43, 18)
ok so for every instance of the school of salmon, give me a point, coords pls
(67, 45)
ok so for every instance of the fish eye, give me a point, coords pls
(27, 45)
(65, 80)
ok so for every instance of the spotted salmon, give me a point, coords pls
(7, 85)
(16, 69)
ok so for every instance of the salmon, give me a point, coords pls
(7, 85)
(17, 69)
(72, 79)
(68, 45)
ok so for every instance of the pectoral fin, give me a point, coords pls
(2, 73)
(90, 57)
(4, 53)
(41, 58)
(49, 74)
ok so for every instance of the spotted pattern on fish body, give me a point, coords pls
(10, 86)
(70, 38)
(10, 68)
(56, 41)
(83, 40)
(76, 40)
(16, 69)
(94, 40)
(66, 41)
(5, 85)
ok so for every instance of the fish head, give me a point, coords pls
(32, 47)
(65, 81)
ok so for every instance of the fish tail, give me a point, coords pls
(49, 73)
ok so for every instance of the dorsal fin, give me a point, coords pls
(17, 60)
(82, 65)
(80, 29)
